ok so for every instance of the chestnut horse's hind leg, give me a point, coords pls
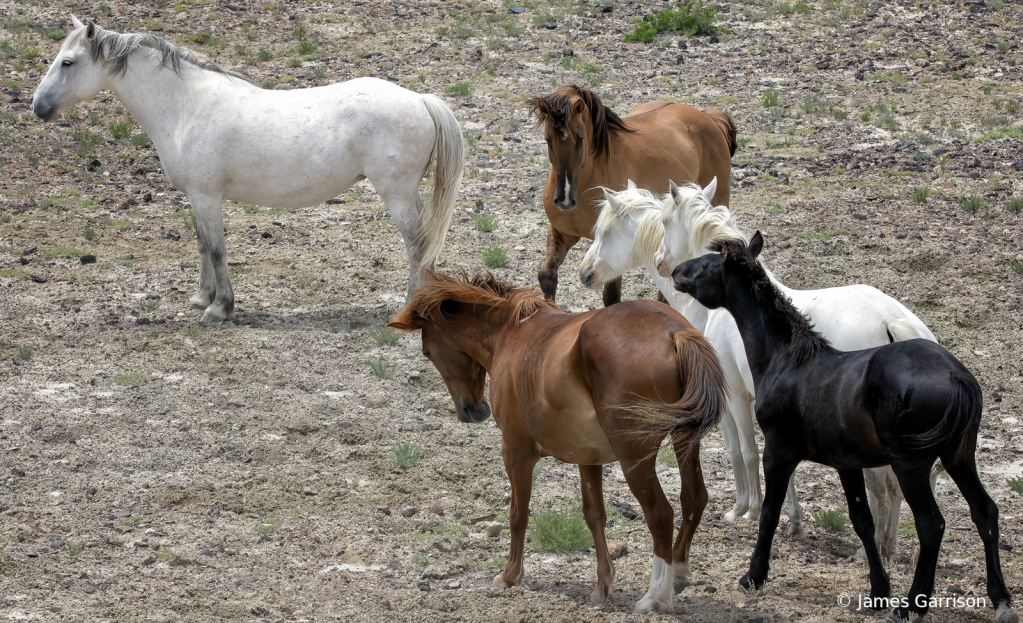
(612, 292)
(558, 245)
(985, 516)
(596, 519)
(859, 513)
(520, 456)
(642, 478)
(693, 496)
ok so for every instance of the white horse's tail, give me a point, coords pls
(448, 155)
(912, 328)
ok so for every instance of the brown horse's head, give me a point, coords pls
(577, 127)
(453, 313)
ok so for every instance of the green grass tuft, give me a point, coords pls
(139, 140)
(1015, 483)
(64, 251)
(920, 194)
(972, 203)
(381, 369)
(120, 128)
(385, 336)
(129, 379)
(666, 455)
(832, 520)
(1016, 205)
(692, 19)
(770, 98)
(74, 549)
(560, 531)
(1017, 266)
(88, 234)
(406, 454)
(485, 222)
(460, 89)
(25, 352)
(495, 256)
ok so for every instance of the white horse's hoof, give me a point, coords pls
(732, 516)
(797, 532)
(649, 604)
(200, 302)
(753, 514)
(213, 316)
(1005, 614)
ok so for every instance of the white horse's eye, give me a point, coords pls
(67, 63)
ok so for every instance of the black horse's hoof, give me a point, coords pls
(898, 615)
(746, 583)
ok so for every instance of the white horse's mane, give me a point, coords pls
(703, 221)
(115, 48)
(637, 203)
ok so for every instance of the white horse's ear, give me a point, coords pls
(613, 201)
(674, 190)
(90, 31)
(710, 190)
(76, 23)
(632, 185)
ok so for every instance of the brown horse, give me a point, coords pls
(589, 146)
(588, 388)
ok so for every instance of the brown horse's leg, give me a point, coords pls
(642, 478)
(596, 518)
(519, 459)
(661, 299)
(558, 245)
(694, 500)
(613, 292)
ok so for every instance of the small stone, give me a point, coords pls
(515, 10)
(56, 544)
(38, 278)
(149, 560)
(568, 52)
(147, 197)
(266, 234)
(87, 259)
(93, 165)
(408, 511)
(453, 584)
(437, 509)
(954, 589)
(394, 564)
(550, 25)
(1002, 545)
(384, 510)
(710, 589)
(89, 589)
(24, 260)
(424, 586)
(859, 216)
(17, 472)
(29, 250)
(617, 549)
(173, 235)
(309, 491)
(494, 529)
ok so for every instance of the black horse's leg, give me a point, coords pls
(612, 292)
(863, 523)
(777, 471)
(985, 517)
(930, 528)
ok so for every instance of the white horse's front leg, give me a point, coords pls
(214, 283)
(751, 453)
(734, 449)
(795, 511)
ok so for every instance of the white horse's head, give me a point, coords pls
(75, 75)
(627, 232)
(690, 223)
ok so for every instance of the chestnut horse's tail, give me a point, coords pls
(727, 125)
(703, 394)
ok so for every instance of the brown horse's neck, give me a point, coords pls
(478, 332)
(601, 171)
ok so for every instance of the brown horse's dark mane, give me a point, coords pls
(806, 341)
(479, 289)
(554, 111)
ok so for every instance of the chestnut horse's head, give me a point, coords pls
(454, 313)
(578, 128)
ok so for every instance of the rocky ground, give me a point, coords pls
(158, 470)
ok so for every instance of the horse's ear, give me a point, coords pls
(674, 191)
(614, 202)
(711, 190)
(756, 244)
(90, 32)
(404, 327)
(632, 185)
(75, 23)
(579, 106)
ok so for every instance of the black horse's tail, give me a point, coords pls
(956, 432)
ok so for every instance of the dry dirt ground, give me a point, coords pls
(158, 470)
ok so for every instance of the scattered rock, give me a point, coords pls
(437, 509)
(617, 549)
(494, 529)
(87, 259)
(88, 589)
(17, 472)
(408, 511)
(38, 278)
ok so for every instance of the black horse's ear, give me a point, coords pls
(756, 244)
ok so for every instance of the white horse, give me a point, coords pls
(220, 137)
(644, 230)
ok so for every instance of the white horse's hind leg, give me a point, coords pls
(405, 208)
(734, 449)
(209, 231)
(795, 511)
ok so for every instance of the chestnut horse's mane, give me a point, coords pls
(554, 111)
(806, 341)
(479, 289)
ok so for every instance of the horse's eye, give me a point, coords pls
(67, 63)
(578, 142)
(427, 353)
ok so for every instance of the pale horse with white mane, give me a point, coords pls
(220, 137)
(638, 229)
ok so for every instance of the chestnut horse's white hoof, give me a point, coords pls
(1005, 614)
(649, 604)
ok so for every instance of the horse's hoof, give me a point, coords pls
(681, 577)
(209, 318)
(733, 515)
(1005, 614)
(745, 583)
(199, 302)
(898, 615)
(603, 595)
(753, 514)
(797, 532)
(648, 604)
(680, 585)
(500, 581)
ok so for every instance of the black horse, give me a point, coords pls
(903, 404)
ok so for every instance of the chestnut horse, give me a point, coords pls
(590, 147)
(591, 388)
